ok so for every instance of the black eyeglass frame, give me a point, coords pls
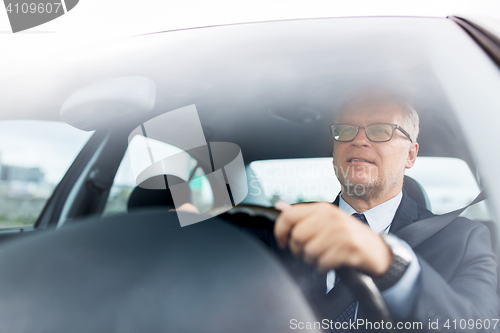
(394, 127)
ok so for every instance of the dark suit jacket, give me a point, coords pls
(458, 276)
(458, 271)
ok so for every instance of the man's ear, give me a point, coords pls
(412, 155)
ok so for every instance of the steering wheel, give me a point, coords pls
(143, 272)
(360, 284)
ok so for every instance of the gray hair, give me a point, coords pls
(376, 95)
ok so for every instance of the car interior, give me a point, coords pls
(164, 275)
(144, 204)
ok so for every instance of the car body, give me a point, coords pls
(269, 88)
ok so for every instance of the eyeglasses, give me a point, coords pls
(374, 132)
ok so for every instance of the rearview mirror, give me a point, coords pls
(108, 102)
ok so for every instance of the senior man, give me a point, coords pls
(450, 276)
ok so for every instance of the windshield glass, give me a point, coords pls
(245, 114)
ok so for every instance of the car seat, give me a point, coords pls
(145, 195)
(416, 192)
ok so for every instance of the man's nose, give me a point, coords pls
(361, 139)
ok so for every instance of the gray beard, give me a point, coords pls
(361, 191)
(365, 191)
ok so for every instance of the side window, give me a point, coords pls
(124, 182)
(34, 156)
(449, 184)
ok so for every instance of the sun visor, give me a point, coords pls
(104, 103)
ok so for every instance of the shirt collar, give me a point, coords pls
(379, 217)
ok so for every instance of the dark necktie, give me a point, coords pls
(350, 311)
(360, 217)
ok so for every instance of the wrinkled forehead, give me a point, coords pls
(365, 113)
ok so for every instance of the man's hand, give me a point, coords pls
(325, 236)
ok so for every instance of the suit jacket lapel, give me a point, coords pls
(406, 213)
(337, 200)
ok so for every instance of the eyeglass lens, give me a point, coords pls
(374, 132)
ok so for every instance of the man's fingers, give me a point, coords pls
(326, 237)
(302, 232)
(331, 259)
(292, 216)
(282, 205)
(305, 230)
(317, 246)
(282, 229)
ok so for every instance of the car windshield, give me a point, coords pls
(227, 121)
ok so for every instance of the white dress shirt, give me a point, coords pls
(400, 297)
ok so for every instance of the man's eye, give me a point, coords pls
(381, 130)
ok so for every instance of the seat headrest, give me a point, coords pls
(416, 192)
(144, 195)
